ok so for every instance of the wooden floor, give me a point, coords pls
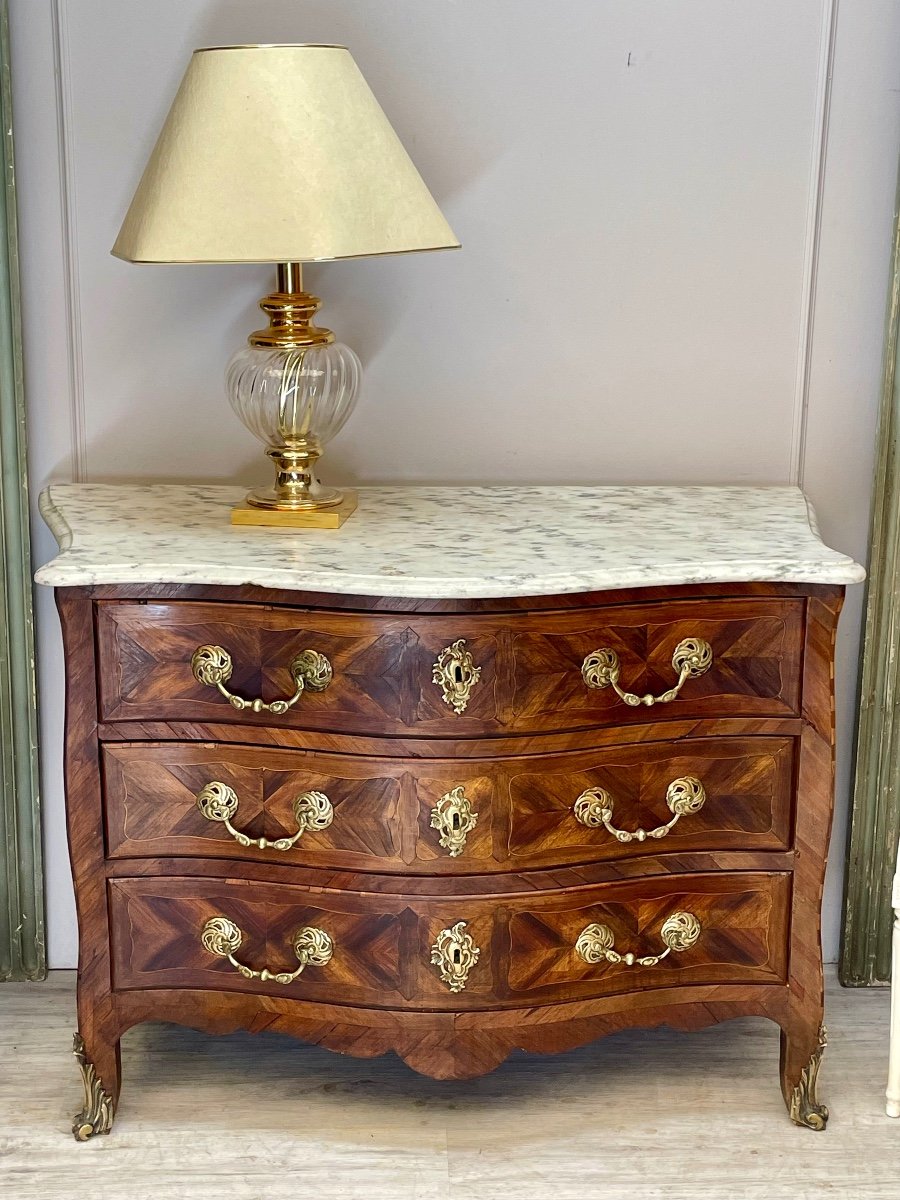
(648, 1114)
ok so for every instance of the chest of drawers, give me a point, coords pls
(412, 787)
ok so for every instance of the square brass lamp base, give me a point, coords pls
(310, 518)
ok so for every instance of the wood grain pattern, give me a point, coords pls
(382, 807)
(454, 1045)
(460, 748)
(815, 809)
(333, 602)
(382, 945)
(493, 883)
(530, 668)
(773, 697)
(97, 1017)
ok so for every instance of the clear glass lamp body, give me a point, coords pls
(294, 399)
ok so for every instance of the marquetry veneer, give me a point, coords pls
(586, 913)
(383, 943)
(382, 807)
(530, 664)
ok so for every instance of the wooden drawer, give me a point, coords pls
(383, 814)
(382, 947)
(383, 666)
(726, 793)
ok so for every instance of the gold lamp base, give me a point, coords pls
(296, 487)
(294, 387)
(300, 518)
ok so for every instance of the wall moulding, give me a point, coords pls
(875, 817)
(22, 949)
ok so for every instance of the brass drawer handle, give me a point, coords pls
(455, 674)
(219, 802)
(313, 948)
(684, 796)
(691, 658)
(455, 819)
(595, 943)
(454, 953)
(212, 666)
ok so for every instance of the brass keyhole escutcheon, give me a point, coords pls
(454, 953)
(454, 819)
(455, 674)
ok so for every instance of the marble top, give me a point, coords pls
(445, 542)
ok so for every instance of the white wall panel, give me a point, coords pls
(653, 286)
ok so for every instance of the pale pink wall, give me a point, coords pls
(641, 295)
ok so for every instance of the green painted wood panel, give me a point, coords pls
(22, 949)
(875, 821)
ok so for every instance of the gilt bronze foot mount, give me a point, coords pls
(805, 1108)
(99, 1107)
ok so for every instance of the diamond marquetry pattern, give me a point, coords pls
(383, 807)
(171, 912)
(530, 664)
(743, 937)
(152, 802)
(748, 674)
(382, 944)
(747, 783)
(382, 667)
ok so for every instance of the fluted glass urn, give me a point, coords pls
(294, 387)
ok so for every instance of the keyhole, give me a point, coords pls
(457, 673)
(455, 821)
(456, 956)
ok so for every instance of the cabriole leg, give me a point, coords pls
(801, 1057)
(100, 1078)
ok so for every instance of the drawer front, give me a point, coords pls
(451, 676)
(443, 954)
(379, 813)
(441, 816)
(700, 794)
(703, 929)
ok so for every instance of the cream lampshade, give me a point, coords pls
(281, 154)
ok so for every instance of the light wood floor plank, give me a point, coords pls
(649, 1114)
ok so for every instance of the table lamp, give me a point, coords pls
(281, 154)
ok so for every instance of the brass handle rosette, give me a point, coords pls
(219, 802)
(212, 666)
(594, 808)
(596, 943)
(692, 657)
(313, 948)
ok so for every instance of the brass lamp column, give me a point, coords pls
(293, 386)
(282, 155)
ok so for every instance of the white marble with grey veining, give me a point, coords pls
(445, 542)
